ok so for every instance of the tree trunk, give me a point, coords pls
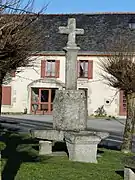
(2, 75)
(130, 122)
(0, 97)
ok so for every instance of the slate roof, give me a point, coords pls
(100, 28)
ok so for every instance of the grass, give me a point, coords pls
(20, 161)
(59, 168)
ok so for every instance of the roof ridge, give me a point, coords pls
(91, 13)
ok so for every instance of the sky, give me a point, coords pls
(86, 6)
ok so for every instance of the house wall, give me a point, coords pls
(98, 91)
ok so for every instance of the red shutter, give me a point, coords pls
(57, 66)
(6, 95)
(43, 62)
(122, 104)
(90, 69)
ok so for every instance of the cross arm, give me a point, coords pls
(64, 30)
(79, 31)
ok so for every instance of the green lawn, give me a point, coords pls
(21, 162)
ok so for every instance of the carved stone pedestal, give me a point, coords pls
(82, 146)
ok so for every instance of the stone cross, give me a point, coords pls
(72, 31)
(71, 53)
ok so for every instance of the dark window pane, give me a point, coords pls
(83, 69)
(44, 95)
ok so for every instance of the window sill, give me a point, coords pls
(53, 77)
(83, 79)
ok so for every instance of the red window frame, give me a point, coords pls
(89, 71)
(44, 69)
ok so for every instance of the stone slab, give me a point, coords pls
(82, 138)
(129, 174)
(53, 135)
(85, 136)
(69, 110)
(56, 135)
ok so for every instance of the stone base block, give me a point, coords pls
(45, 147)
(69, 110)
(129, 174)
(82, 146)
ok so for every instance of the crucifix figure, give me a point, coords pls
(72, 31)
(71, 53)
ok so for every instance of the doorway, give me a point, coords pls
(42, 100)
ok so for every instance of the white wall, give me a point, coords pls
(98, 91)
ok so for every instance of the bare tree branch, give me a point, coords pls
(19, 36)
(118, 69)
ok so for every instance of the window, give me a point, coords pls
(50, 68)
(85, 69)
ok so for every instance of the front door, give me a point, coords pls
(43, 103)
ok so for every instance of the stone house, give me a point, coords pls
(33, 88)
